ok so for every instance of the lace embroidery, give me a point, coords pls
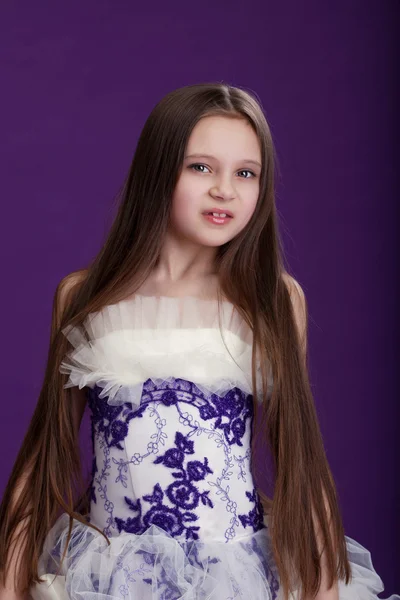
(255, 516)
(223, 420)
(183, 494)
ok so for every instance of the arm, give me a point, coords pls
(300, 312)
(325, 593)
(299, 304)
(7, 591)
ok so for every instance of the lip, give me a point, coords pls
(218, 210)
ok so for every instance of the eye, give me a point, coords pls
(197, 165)
(247, 171)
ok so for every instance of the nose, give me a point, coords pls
(223, 190)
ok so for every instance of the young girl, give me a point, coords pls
(186, 336)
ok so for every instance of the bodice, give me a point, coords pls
(168, 382)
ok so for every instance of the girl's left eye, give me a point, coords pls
(247, 171)
(204, 166)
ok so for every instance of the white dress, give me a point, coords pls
(172, 487)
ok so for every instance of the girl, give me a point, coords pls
(186, 336)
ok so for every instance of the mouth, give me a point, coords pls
(218, 216)
(219, 213)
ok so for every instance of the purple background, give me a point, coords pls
(79, 80)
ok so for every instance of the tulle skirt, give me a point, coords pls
(156, 566)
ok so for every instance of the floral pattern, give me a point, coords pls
(180, 462)
(254, 517)
(183, 495)
(225, 421)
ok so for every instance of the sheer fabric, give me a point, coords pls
(168, 382)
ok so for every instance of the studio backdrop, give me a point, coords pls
(78, 81)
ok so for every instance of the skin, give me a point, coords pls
(216, 172)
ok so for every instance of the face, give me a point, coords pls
(220, 174)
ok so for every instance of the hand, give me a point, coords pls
(11, 595)
(332, 594)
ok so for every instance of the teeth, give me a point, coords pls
(219, 214)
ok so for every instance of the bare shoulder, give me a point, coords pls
(68, 285)
(65, 291)
(295, 290)
(299, 304)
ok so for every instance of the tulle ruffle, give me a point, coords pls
(161, 338)
(156, 566)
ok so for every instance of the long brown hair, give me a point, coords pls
(304, 507)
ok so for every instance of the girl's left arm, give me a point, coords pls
(325, 593)
(301, 317)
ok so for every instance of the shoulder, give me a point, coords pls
(295, 290)
(65, 291)
(68, 285)
(299, 304)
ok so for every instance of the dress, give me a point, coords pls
(172, 487)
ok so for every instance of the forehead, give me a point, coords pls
(224, 137)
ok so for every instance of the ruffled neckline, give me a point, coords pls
(161, 337)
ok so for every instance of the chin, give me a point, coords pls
(211, 239)
(212, 242)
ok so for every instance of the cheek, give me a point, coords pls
(183, 205)
(249, 206)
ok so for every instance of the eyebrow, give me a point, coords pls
(245, 160)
